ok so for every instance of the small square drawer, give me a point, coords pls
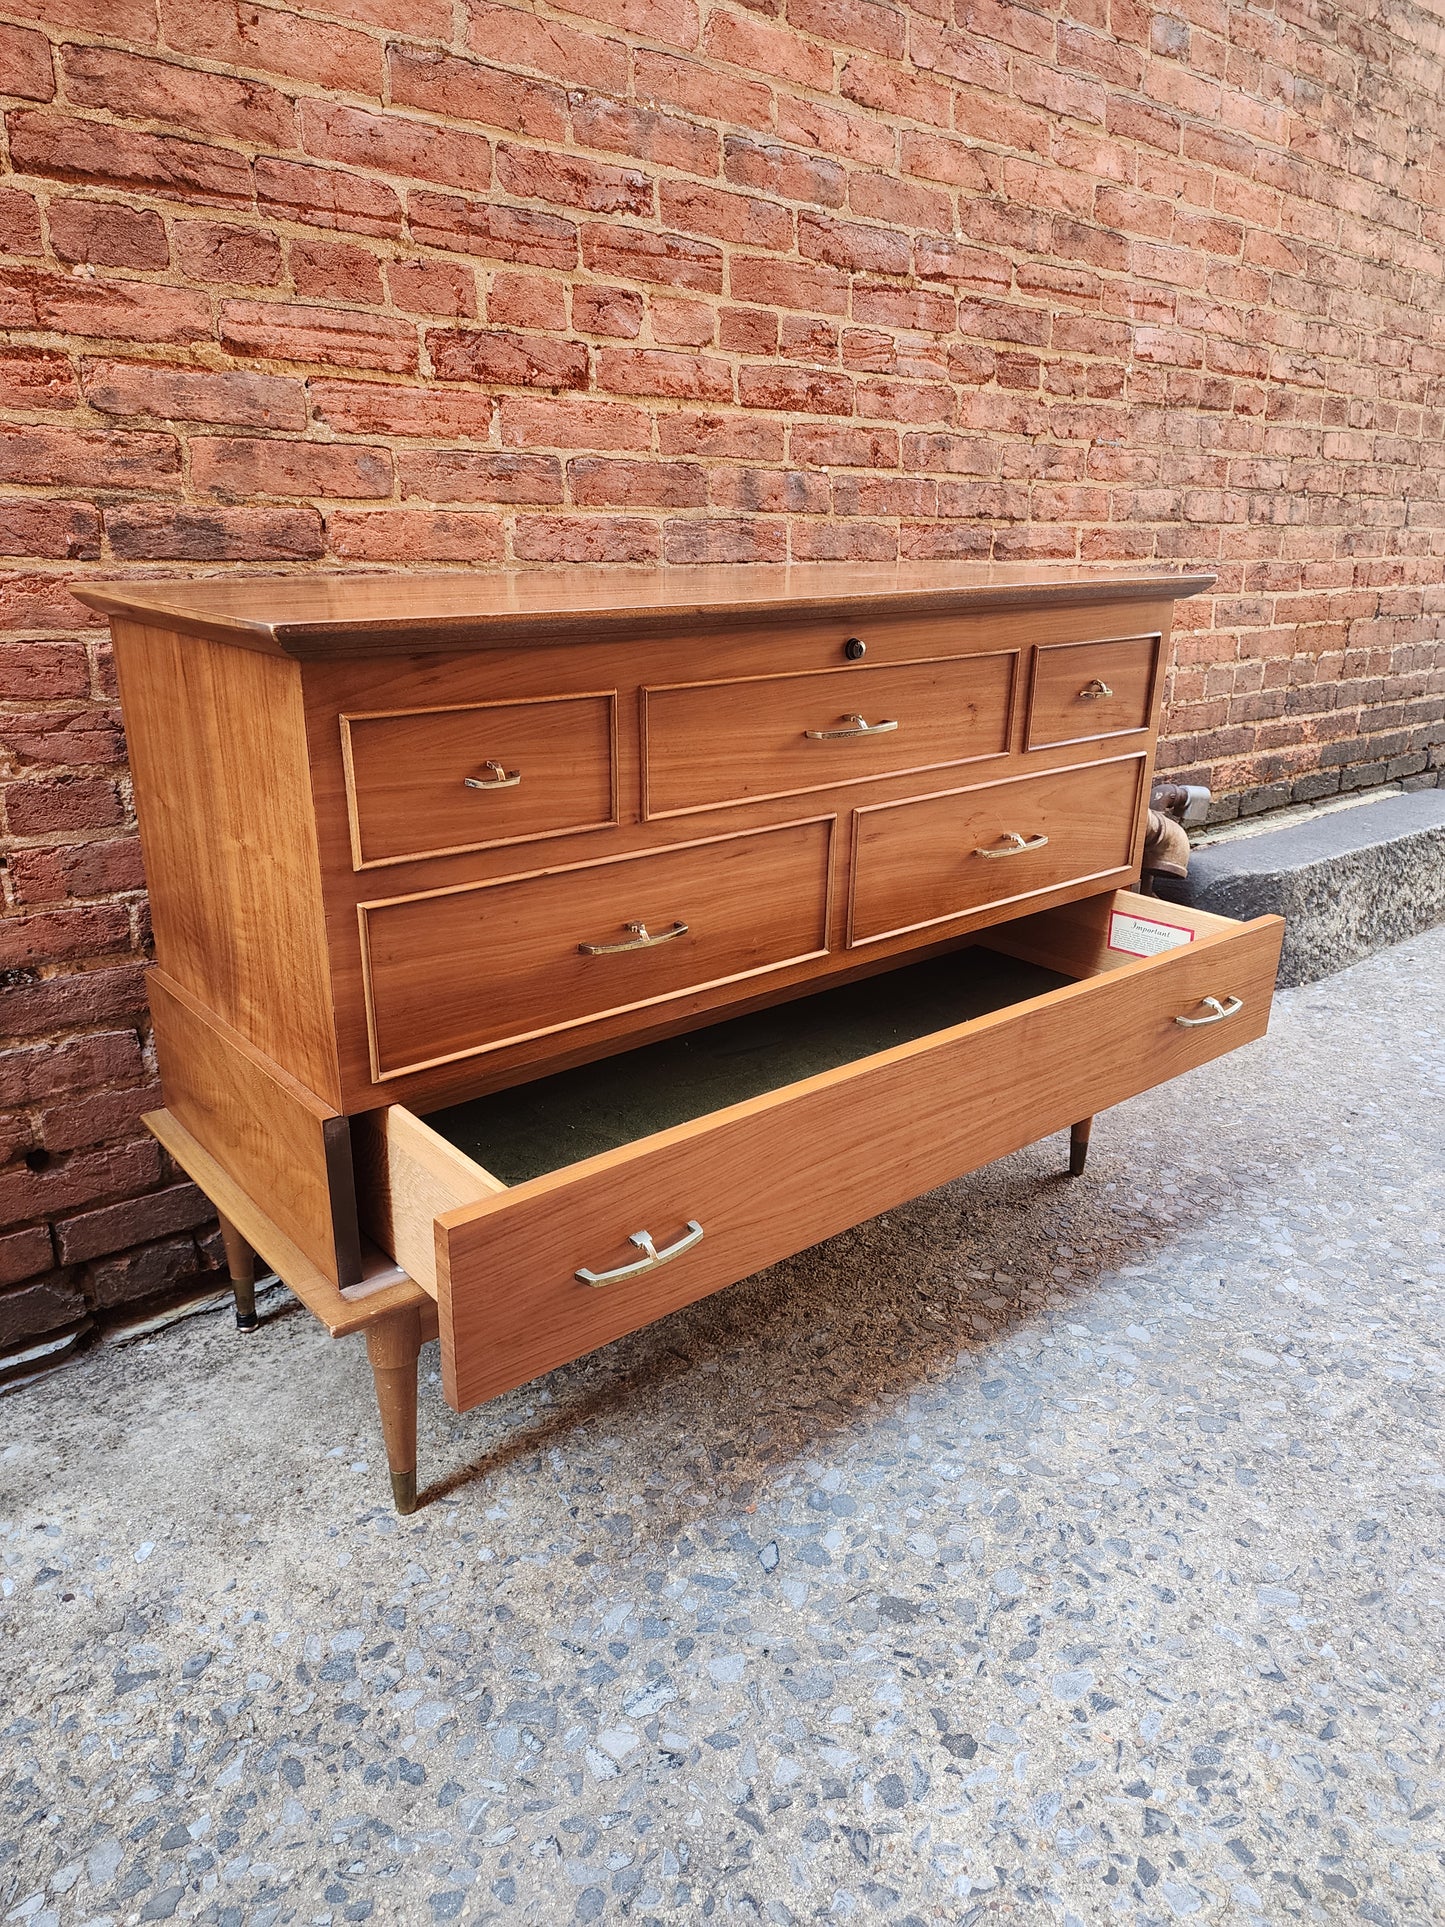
(553, 1217)
(938, 857)
(450, 973)
(432, 782)
(711, 743)
(1082, 691)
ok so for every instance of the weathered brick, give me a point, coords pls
(674, 260)
(99, 1117)
(335, 271)
(237, 399)
(83, 1178)
(597, 483)
(69, 531)
(241, 467)
(588, 538)
(176, 533)
(381, 408)
(444, 289)
(48, 457)
(395, 144)
(783, 173)
(138, 88)
(101, 869)
(521, 39)
(71, 149)
(20, 223)
(466, 475)
(109, 234)
(507, 360)
(145, 1272)
(664, 139)
(439, 83)
(568, 180)
(414, 535)
(33, 378)
(35, 1005)
(338, 337)
(221, 252)
(325, 197)
(130, 1221)
(273, 40)
(42, 670)
(600, 310)
(27, 71)
(39, 1308)
(655, 371)
(570, 422)
(517, 234)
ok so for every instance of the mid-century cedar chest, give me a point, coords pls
(539, 952)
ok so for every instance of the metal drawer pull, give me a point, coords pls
(1231, 1007)
(860, 728)
(653, 1257)
(1013, 843)
(641, 939)
(1096, 688)
(499, 778)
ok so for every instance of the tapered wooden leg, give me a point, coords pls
(1079, 1147)
(241, 1263)
(392, 1345)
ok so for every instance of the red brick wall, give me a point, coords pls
(414, 282)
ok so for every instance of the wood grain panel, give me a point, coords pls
(768, 1177)
(1084, 691)
(712, 743)
(917, 864)
(456, 972)
(278, 1140)
(407, 1176)
(411, 775)
(223, 793)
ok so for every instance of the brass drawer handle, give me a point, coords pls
(649, 1262)
(1231, 1007)
(642, 939)
(860, 728)
(1091, 691)
(500, 779)
(1013, 843)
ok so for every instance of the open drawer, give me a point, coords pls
(554, 1217)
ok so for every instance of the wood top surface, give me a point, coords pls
(318, 616)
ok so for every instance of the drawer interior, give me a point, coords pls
(542, 1126)
(412, 1170)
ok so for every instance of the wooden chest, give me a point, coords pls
(721, 909)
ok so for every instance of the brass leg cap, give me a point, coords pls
(403, 1491)
(247, 1321)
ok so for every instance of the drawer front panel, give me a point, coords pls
(919, 863)
(1082, 691)
(736, 742)
(456, 972)
(428, 782)
(771, 1176)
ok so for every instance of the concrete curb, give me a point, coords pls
(1348, 883)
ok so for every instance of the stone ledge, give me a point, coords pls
(1347, 883)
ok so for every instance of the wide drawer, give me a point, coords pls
(711, 743)
(451, 973)
(428, 782)
(1083, 691)
(719, 1192)
(928, 860)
